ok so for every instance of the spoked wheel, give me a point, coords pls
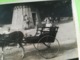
(48, 47)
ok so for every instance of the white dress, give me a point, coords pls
(25, 25)
(48, 25)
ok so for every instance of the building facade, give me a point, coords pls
(25, 17)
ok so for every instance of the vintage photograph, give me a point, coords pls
(41, 30)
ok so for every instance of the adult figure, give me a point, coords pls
(26, 22)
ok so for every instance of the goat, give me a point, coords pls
(13, 37)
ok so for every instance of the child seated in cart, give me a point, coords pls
(48, 23)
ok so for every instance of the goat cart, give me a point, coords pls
(45, 41)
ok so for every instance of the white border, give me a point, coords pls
(22, 1)
(75, 17)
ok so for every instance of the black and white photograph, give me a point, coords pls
(40, 30)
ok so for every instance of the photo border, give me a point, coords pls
(75, 10)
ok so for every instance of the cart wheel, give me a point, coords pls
(46, 48)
